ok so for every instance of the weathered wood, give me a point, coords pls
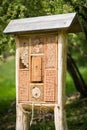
(59, 112)
(17, 66)
(22, 118)
(45, 23)
(28, 105)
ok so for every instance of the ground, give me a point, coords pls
(76, 111)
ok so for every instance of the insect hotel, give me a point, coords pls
(41, 54)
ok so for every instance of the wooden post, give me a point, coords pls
(17, 66)
(59, 112)
(22, 118)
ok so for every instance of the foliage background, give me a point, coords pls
(16, 9)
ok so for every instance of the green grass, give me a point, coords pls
(76, 112)
(70, 87)
(83, 71)
(7, 80)
(7, 84)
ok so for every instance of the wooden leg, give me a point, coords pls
(60, 119)
(56, 118)
(22, 119)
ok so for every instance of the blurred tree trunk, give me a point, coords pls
(76, 76)
(81, 8)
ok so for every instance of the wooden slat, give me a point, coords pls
(36, 69)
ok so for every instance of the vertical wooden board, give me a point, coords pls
(62, 43)
(23, 86)
(22, 118)
(36, 69)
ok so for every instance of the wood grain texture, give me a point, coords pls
(59, 110)
(17, 66)
(22, 118)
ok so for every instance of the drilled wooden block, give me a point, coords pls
(23, 85)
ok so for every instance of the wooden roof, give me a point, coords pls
(68, 21)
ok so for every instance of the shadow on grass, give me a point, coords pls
(7, 114)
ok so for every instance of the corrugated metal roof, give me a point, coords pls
(68, 21)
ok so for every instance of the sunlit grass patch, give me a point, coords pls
(7, 83)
